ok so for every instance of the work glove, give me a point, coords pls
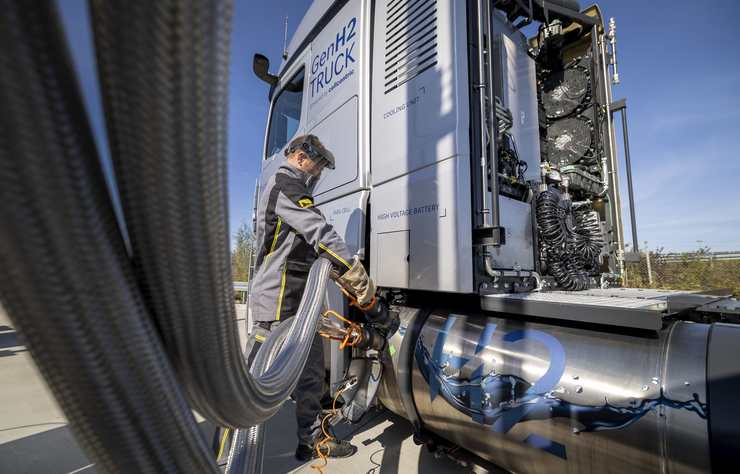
(358, 283)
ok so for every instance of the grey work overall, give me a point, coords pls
(291, 234)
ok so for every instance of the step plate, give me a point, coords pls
(621, 307)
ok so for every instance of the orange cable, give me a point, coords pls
(352, 335)
(327, 436)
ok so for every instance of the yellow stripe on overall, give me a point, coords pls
(282, 292)
(330, 252)
(274, 239)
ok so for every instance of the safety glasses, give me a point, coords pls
(312, 153)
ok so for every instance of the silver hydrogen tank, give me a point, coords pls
(540, 398)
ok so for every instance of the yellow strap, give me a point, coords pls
(330, 252)
(221, 446)
(282, 292)
(305, 202)
(259, 338)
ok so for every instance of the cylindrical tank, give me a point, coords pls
(538, 398)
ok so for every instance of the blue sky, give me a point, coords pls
(680, 73)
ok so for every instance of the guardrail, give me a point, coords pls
(241, 288)
(701, 257)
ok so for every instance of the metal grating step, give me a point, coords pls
(563, 297)
(631, 293)
(622, 307)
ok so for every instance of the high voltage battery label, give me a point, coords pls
(411, 211)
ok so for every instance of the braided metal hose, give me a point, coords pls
(66, 280)
(248, 444)
(164, 72)
(90, 317)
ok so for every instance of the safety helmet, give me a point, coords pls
(313, 148)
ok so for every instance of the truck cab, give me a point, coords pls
(442, 142)
(477, 178)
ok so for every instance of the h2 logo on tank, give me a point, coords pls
(500, 401)
(335, 63)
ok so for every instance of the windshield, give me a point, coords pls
(286, 114)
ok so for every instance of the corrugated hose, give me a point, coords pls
(113, 333)
(66, 280)
(164, 79)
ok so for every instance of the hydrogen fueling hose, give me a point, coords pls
(247, 446)
(66, 281)
(164, 80)
(88, 313)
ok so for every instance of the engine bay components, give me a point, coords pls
(570, 117)
(548, 109)
(511, 168)
(581, 180)
(575, 135)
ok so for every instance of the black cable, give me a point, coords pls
(570, 239)
(588, 240)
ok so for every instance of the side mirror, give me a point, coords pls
(261, 68)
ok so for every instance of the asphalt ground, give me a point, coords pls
(35, 438)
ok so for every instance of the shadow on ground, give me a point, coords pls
(52, 451)
(34, 437)
(10, 344)
(384, 442)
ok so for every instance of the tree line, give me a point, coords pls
(241, 252)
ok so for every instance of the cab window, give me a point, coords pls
(286, 114)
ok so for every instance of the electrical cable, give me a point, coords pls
(326, 436)
(570, 239)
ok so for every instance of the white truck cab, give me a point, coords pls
(476, 175)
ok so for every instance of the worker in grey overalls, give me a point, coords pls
(291, 234)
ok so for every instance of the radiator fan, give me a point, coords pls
(569, 140)
(565, 91)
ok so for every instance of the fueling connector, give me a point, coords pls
(382, 317)
(371, 339)
(380, 323)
